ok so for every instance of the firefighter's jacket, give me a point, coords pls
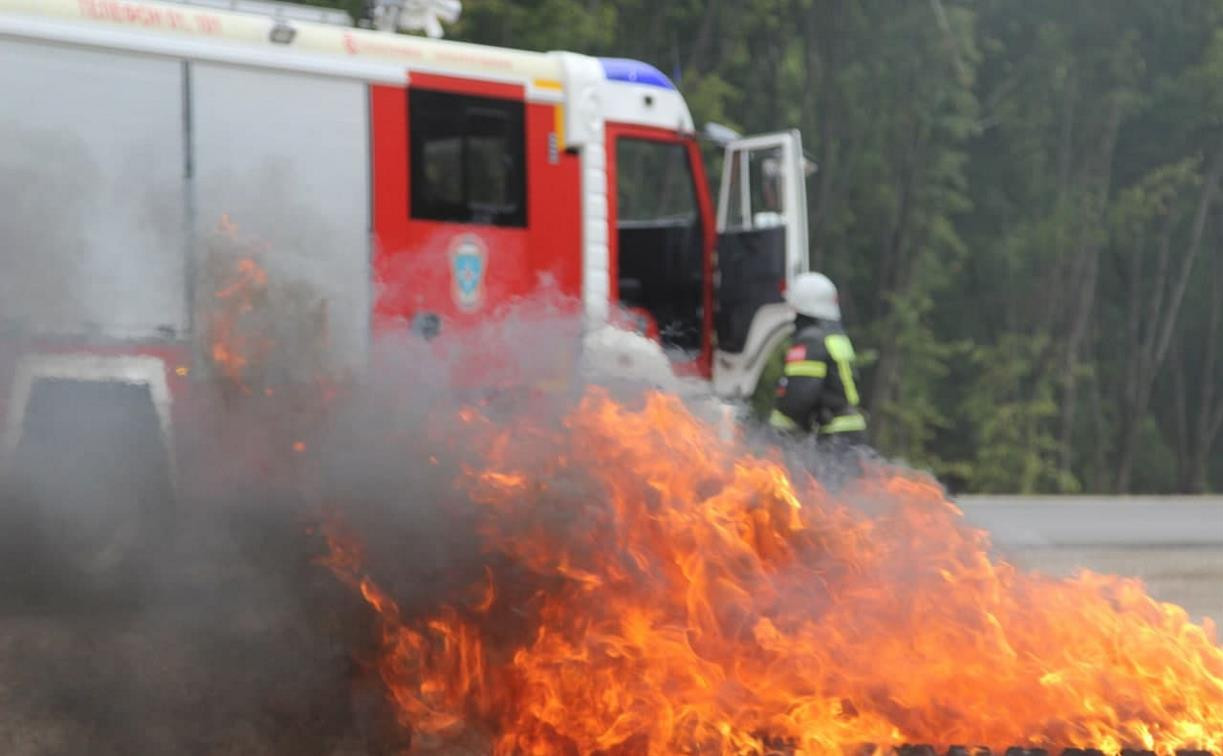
(818, 391)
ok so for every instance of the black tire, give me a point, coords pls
(91, 494)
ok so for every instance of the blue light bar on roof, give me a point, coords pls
(634, 72)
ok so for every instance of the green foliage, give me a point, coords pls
(1011, 408)
(1153, 197)
(539, 24)
(909, 421)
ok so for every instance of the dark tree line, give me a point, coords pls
(1019, 198)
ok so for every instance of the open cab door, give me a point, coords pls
(761, 247)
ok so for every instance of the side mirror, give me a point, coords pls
(719, 134)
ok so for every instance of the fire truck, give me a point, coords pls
(412, 184)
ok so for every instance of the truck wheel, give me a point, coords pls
(91, 479)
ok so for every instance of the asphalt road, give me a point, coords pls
(1175, 544)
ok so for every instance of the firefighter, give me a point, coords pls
(817, 392)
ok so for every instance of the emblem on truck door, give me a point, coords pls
(468, 261)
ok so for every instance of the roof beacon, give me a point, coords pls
(416, 15)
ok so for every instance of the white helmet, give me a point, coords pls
(814, 295)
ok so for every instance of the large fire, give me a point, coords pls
(651, 588)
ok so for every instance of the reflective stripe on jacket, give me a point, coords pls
(818, 389)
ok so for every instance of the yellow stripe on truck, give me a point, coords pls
(559, 126)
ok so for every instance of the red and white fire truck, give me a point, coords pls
(412, 183)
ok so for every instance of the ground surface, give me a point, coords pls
(232, 647)
(243, 663)
(1175, 544)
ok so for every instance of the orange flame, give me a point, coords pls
(694, 598)
(232, 349)
(263, 337)
(242, 283)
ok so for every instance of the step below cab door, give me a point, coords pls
(761, 247)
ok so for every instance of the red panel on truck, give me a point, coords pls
(432, 261)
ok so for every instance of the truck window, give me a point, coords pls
(659, 239)
(655, 182)
(763, 204)
(735, 215)
(468, 159)
(768, 203)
